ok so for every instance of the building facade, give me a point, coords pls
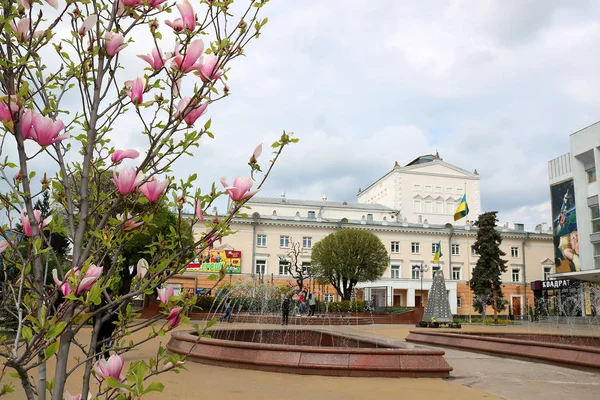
(427, 189)
(411, 210)
(574, 190)
(264, 239)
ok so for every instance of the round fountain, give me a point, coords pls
(310, 352)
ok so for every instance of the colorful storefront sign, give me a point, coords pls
(564, 224)
(217, 260)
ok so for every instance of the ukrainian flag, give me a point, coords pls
(438, 253)
(462, 210)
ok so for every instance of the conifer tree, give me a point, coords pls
(486, 281)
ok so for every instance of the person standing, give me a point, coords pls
(301, 302)
(285, 310)
(312, 304)
(227, 311)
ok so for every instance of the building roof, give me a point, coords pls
(420, 162)
(318, 204)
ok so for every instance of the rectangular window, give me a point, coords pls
(459, 191)
(284, 241)
(450, 208)
(328, 297)
(456, 249)
(415, 248)
(516, 275)
(591, 174)
(395, 271)
(448, 189)
(438, 189)
(418, 208)
(306, 268)
(311, 215)
(456, 273)
(428, 188)
(547, 272)
(261, 240)
(596, 255)
(595, 213)
(473, 252)
(417, 188)
(260, 267)
(416, 272)
(284, 267)
(439, 207)
(307, 242)
(458, 302)
(428, 207)
(514, 252)
(434, 247)
(395, 247)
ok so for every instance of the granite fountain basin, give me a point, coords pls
(310, 352)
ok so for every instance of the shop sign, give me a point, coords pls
(556, 284)
(229, 261)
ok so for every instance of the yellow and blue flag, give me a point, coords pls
(462, 210)
(438, 253)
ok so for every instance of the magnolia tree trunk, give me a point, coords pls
(78, 81)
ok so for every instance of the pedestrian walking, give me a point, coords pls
(301, 302)
(312, 304)
(227, 311)
(285, 310)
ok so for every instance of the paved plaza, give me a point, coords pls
(475, 375)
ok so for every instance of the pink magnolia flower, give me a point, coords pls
(170, 365)
(4, 244)
(92, 274)
(240, 190)
(194, 114)
(174, 317)
(165, 293)
(111, 367)
(129, 223)
(64, 286)
(199, 212)
(136, 90)
(192, 59)
(27, 5)
(156, 59)
(142, 269)
(119, 155)
(187, 20)
(209, 70)
(27, 124)
(69, 396)
(127, 180)
(22, 29)
(27, 229)
(7, 111)
(45, 130)
(88, 24)
(256, 154)
(153, 189)
(155, 3)
(114, 43)
(131, 3)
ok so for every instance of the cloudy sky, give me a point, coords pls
(492, 85)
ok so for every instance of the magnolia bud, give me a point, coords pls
(153, 25)
(19, 176)
(243, 26)
(226, 90)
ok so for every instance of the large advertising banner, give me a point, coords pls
(217, 260)
(564, 224)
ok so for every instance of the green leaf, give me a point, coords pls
(207, 124)
(26, 332)
(50, 350)
(56, 330)
(154, 387)
(115, 384)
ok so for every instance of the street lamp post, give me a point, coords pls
(421, 268)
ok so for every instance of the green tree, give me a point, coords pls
(486, 281)
(347, 257)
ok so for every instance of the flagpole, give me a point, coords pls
(467, 229)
